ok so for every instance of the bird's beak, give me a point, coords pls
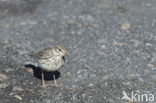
(66, 54)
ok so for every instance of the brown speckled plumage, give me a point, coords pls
(51, 59)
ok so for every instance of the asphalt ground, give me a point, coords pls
(111, 45)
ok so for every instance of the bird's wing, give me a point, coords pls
(44, 54)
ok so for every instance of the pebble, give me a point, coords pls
(30, 70)
(17, 88)
(90, 85)
(154, 37)
(141, 79)
(18, 97)
(3, 77)
(131, 75)
(3, 86)
(126, 26)
(106, 77)
(154, 78)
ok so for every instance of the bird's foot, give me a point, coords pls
(55, 85)
(44, 85)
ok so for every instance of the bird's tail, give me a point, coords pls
(31, 59)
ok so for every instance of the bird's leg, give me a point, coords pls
(55, 84)
(43, 83)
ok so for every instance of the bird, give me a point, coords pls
(50, 60)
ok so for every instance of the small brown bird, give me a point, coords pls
(50, 60)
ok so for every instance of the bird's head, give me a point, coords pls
(60, 50)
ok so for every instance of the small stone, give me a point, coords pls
(8, 70)
(127, 83)
(84, 95)
(12, 93)
(116, 65)
(154, 37)
(131, 75)
(106, 77)
(121, 9)
(136, 43)
(120, 44)
(103, 47)
(30, 90)
(18, 97)
(30, 70)
(137, 51)
(141, 80)
(150, 65)
(95, 25)
(17, 88)
(106, 84)
(125, 26)
(3, 77)
(3, 86)
(149, 44)
(90, 85)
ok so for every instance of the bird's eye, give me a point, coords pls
(59, 49)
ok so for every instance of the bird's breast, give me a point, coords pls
(51, 64)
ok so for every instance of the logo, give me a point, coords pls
(137, 96)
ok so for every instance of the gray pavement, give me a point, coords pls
(111, 45)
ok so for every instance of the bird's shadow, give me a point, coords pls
(47, 75)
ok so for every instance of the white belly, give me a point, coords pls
(51, 64)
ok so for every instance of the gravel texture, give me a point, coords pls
(111, 45)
